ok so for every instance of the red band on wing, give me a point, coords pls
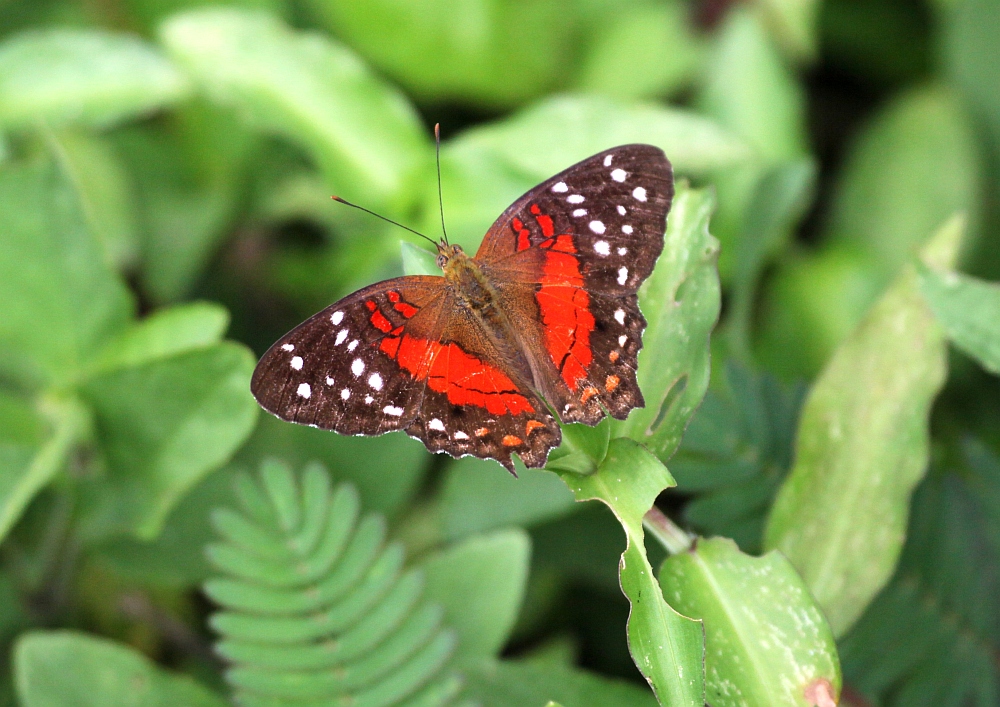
(523, 234)
(565, 309)
(544, 221)
(465, 379)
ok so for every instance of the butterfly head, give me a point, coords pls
(447, 252)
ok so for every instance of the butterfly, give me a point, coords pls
(541, 326)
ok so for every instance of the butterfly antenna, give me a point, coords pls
(389, 220)
(437, 153)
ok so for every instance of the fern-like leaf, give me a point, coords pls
(316, 608)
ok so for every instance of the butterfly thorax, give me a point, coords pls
(470, 286)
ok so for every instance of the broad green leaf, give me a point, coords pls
(82, 76)
(387, 470)
(360, 131)
(780, 199)
(582, 448)
(663, 51)
(480, 583)
(165, 424)
(681, 302)
(417, 260)
(151, 12)
(766, 640)
(30, 454)
(164, 333)
(104, 191)
(969, 311)
(750, 91)
(666, 647)
(508, 683)
(70, 669)
(59, 298)
(794, 24)
(465, 50)
(915, 165)
(486, 168)
(862, 446)
(972, 57)
(478, 495)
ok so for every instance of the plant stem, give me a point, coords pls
(674, 539)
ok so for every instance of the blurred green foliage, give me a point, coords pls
(165, 173)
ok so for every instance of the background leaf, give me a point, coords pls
(86, 76)
(862, 446)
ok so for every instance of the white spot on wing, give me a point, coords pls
(639, 193)
(341, 335)
(436, 424)
(620, 316)
(297, 363)
(607, 160)
(358, 366)
(353, 345)
(622, 251)
(602, 248)
(336, 318)
(287, 347)
(560, 187)
(369, 400)
(304, 391)
(391, 410)
(622, 275)
(618, 175)
(627, 230)
(597, 227)
(575, 198)
(461, 435)
(580, 212)
(345, 394)
(621, 209)
(329, 380)
(622, 339)
(375, 381)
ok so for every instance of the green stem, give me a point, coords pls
(674, 539)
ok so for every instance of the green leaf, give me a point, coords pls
(447, 50)
(165, 333)
(82, 76)
(508, 683)
(59, 298)
(70, 669)
(681, 302)
(361, 132)
(862, 446)
(972, 58)
(477, 496)
(386, 470)
(664, 51)
(317, 609)
(486, 168)
(480, 583)
(665, 646)
(417, 260)
(794, 25)
(766, 640)
(914, 166)
(105, 197)
(165, 424)
(969, 311)
(30, 454)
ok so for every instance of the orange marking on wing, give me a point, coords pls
(611, 382)
(613, 356)
(535, 210)
(393, 296)
(380, 322)
(465, 379)
(523, 234)
(407, 310)
(532, 426)
(588, 392)
(565, 309)
(371, 305)
(511, 441)
(482, 432)
(397, 331)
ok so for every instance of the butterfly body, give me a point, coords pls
(541, 326)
